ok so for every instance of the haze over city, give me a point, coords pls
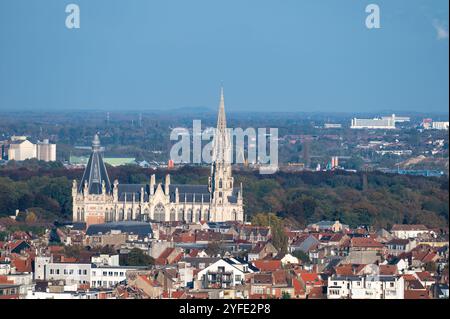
(292, 56)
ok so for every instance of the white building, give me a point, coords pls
(366, 287)
(397, 119)
(45, 151)
(386, 123)
(409, 231)
(103, 272)
(20, 150)
(71, 273)
(332, 125)
(108, 276)
(225, 273)
(440, 125)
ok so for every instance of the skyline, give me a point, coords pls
(149, 56)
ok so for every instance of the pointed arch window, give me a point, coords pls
(181, 214)
(160, 213)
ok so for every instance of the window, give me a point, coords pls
(105, 273)
(121, 273)
(116, 274)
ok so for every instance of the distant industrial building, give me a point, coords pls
(332, 125)
(45, 151)
(397, 119)
(386, 123)
(440, 125)
(20, 149)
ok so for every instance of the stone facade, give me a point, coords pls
(96, 200)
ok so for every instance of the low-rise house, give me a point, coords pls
(326, 225)
(409, 231)
(365, 287)
(426, 278)
(225, 273)
(262, 250)
(254, 234)
(304, 243)
(364, 250)
(396, 246)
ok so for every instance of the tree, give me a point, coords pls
(31, 218)
(285, 295)
(301, 255)
(136, 257)
(214, 248)
(279, 237)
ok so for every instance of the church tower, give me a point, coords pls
(221, 181)
(95, 178)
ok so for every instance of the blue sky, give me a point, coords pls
(272, 55)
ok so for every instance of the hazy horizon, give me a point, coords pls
(271, 56)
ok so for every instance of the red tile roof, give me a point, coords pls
(416, 294)
(267, 265)
(363, 242)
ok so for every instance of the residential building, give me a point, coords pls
(365, 287)
(409, 231)
(225, 273)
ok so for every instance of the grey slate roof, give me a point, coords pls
(95, 172)
(188, 193)
(141, 229)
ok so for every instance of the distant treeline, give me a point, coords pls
(372, 199)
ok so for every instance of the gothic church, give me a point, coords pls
(96, 200)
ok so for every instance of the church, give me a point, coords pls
(96, 200)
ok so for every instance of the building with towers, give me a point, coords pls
(96, 200)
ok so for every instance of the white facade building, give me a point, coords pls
(387, 123)
(71, 273)
(440, 125)
(409, 231)
(225, 273)
(45, 151)
(21, 150)
(366, 287)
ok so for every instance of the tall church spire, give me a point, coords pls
(221, 151)
(95, 175)
(220, 181)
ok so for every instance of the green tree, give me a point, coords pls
(136, 257)
(301, 255)
(279, 237)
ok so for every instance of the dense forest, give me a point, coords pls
(371, 198)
